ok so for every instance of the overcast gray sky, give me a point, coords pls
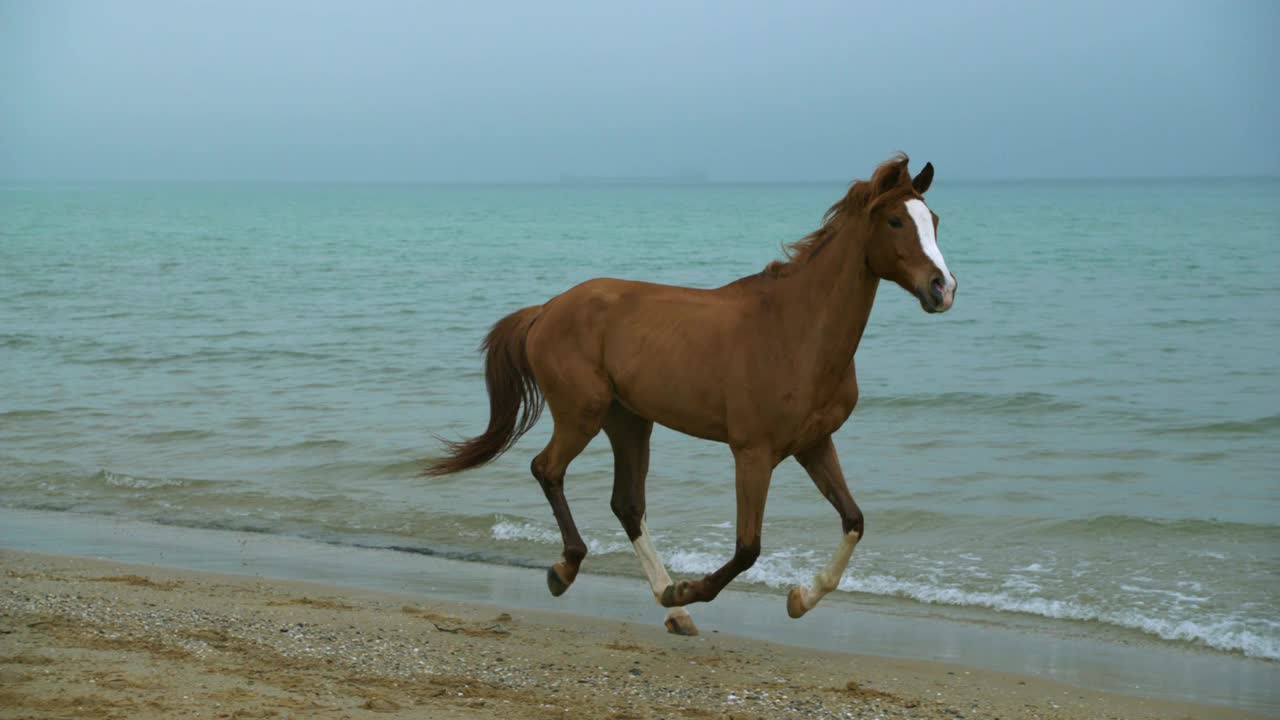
(518, 91)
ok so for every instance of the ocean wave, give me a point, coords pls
(1229, 634)
(904, 519)
(1172, 594)
(508, 530)
(1266, 424)
(1183, 529)
(784, 569)
(147, 360)
(300, 446)
(164, 436)
(780, 569)
(14, 340)
(215, 355)
(1021, 402)
(26, 414)
(138, 482)
(106, 316)
(1184, 323)
(401, 468)
(227, 335)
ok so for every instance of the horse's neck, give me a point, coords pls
(834, 295)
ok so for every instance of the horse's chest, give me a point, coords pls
(826, 416)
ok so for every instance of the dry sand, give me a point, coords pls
(83, 638)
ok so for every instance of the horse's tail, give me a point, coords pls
(515, 401)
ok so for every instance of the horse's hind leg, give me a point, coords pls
(629, 435)
(549, 467)
(578, 399)
(823, 466)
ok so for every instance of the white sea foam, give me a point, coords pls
(1229, 634)
(779, 569)
(1179, 597)
(784, 569)
(528, 531)
(138, 483)
(507, 530)
(1017, 582)
(1209, 554)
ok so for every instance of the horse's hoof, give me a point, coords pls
(681, 625)
(555, 584)
(795, 602)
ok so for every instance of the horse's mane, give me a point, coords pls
(891, 175)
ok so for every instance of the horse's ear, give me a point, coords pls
(922, 181)
(888, 177)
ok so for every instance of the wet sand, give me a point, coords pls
(92, 638)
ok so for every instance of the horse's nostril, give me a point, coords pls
(937, 286)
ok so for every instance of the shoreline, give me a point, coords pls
(1199, 684)
(96, 638)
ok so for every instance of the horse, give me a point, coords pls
(764, 364)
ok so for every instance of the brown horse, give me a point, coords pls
(764, 364)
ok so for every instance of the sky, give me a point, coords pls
(481, 91)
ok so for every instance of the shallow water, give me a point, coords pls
(1090, 434)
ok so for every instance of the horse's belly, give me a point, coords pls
(706, 432)
(676, 410)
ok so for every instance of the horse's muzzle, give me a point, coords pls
(939, 295)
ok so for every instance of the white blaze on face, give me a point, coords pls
(919, 213)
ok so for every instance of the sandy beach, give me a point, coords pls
(96, 639)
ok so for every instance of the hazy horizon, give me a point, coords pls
(503, 93)
(606, 182)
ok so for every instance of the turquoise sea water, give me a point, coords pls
(1092, 435)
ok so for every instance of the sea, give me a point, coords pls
(1090, 437)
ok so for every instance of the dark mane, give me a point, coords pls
(888, 176)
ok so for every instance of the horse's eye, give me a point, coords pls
(895, 222)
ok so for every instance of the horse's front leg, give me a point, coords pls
(823, 467)
(629, 435)
(753, 469)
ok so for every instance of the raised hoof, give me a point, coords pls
(795, 602)
(555, 584)
(681, 625)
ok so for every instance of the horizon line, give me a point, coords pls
(606, 181)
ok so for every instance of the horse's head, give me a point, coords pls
(903, 243)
